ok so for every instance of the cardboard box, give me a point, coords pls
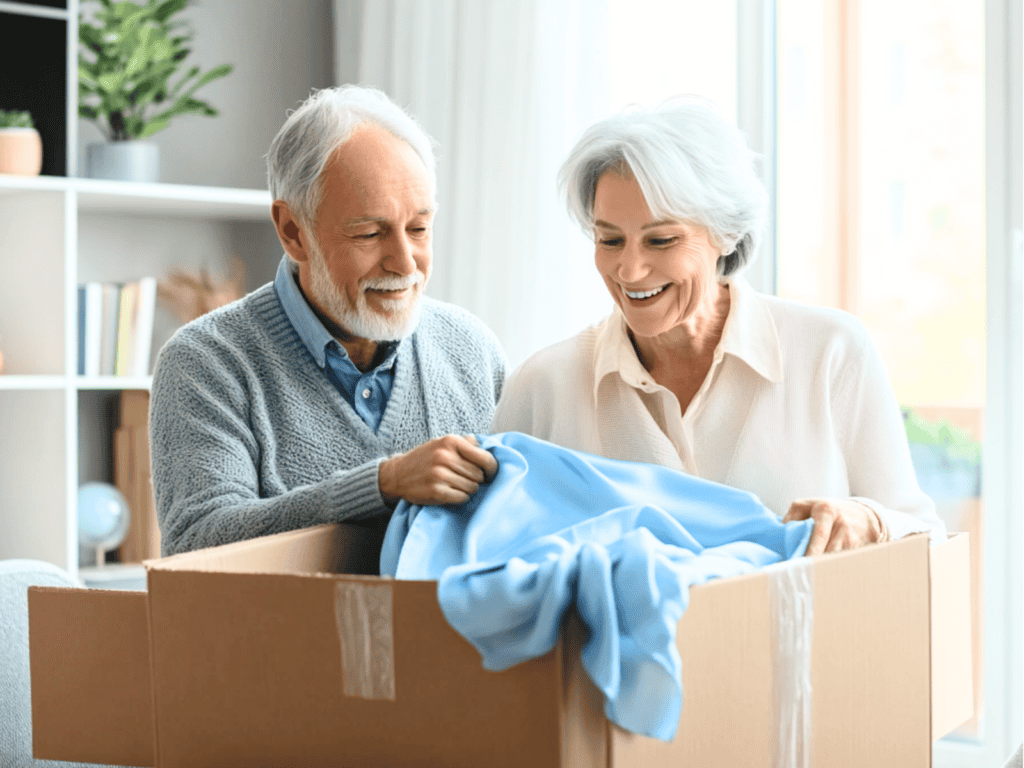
(244, 655)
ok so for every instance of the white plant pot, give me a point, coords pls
(21, 151)
(124, 161)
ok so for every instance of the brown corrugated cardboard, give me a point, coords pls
(249, 667)
(92, 697)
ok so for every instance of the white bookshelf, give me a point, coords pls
(54, 424)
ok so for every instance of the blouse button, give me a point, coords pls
(366, 394)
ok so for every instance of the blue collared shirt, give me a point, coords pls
(367, 392)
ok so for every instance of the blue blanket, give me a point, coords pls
(623, 541)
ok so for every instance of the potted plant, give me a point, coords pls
(947, 460)
(125, 67)
(21, 149)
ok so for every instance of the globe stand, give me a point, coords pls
(103, 519)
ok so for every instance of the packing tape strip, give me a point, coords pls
(363, 612)
(791, 602)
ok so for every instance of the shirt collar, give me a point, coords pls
(312, 332)
(749, 335)
(303, 319)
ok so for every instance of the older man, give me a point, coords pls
(339, 389)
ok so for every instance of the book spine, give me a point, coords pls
(92, 330)
(81, 330)
(125, 356)
(108, 333)
(144, 325)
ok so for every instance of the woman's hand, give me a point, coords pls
(838, 524)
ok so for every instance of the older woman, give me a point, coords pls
(694, 369)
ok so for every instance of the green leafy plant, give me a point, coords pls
(13, 119)
(126, 64)
(955, 443)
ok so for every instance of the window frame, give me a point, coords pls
(1003, 466)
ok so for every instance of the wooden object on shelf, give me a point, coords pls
(133, 478)
(189, 296)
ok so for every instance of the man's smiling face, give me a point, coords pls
(371, 254)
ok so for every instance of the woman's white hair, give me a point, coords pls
(691, 164)
(302, 148)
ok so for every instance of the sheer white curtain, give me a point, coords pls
(505, 88)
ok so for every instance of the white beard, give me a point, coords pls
(402, 315)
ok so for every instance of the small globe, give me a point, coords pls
(103, 516)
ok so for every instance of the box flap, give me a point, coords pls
(92, 694)
(334, 548)
(871, 670)
(727, 679)
(952, 685)
(267, 680)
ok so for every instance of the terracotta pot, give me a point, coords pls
(21, 151)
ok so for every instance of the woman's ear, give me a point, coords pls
(729, 243)
(289, 231)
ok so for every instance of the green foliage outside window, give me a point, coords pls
(947, 460)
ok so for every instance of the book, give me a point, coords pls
(110, 303)
(127, 317)
(145, 314)
(90, 328)
(81, 330)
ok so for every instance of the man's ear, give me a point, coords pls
(289, 231)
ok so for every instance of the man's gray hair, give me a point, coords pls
(691, 164)
(302, 148)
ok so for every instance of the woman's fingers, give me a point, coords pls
(822, 532)
(839, 524)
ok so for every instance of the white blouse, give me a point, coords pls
(797, 404)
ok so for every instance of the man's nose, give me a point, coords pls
(399, 256)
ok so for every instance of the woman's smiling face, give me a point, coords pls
(660, 273)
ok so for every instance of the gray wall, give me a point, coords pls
(280, 50)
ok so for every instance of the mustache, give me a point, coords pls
(391, 283)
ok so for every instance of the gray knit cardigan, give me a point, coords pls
(249, 437)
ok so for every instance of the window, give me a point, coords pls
(884, 210)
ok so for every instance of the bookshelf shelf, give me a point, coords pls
(59, 231)
(16, 382)
(112, 383)
(133, 198)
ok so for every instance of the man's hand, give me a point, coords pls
(446, 470)
(838, 524)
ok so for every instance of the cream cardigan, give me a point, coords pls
(797, 404)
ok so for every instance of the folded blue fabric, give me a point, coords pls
(622, 540)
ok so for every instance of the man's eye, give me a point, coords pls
(368, 236)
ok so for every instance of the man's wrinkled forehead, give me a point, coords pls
(373, 152)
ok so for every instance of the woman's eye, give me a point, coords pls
(610, 242)
(660, 242)
(368, 236)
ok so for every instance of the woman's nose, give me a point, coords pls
(632, 266)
